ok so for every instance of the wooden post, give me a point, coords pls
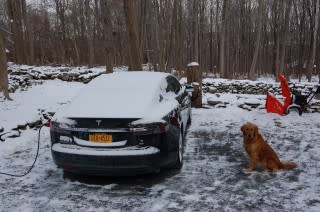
(194, 78)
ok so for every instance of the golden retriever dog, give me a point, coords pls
(260, 152)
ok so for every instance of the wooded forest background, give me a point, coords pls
(234, 38)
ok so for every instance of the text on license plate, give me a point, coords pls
(100, 137)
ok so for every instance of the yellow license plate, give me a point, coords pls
(100, 138)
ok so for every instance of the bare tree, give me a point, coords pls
(284, 39)
(179, 37)
(61, 7)
(313, 41)
(258, 41)
(90, 29)
(276, 39)
(107, 34)
(161, 34)
(75, 31)
(15, 15)
(3, 70)
(222, 39)
(134, 46)
(195, 29)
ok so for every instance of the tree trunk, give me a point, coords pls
(61, 45)
(3, 70)
(216, 58)
(276, 45)
(76, 49)
(252, 71)
(134, 46)
(172, 45)
(14, 11)
(314, 43)
(107, 35)
(284, 37)
(161, 36)
(211, 59)
(90, 34)
(222, 39)
(179, 38)
(28, 32)
(195, 26)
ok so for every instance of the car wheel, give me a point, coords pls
(179, 158)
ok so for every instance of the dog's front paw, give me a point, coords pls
(249, 169)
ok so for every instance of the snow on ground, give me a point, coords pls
(26, 106)
(212, 178)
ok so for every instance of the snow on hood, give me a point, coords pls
(121, 95)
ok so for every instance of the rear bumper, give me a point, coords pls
(110, 161)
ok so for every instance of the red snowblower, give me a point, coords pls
(294, 101)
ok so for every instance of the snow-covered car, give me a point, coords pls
(123, 123)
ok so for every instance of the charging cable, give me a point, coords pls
(31, 167)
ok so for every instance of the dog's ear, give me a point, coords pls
(256, 129)
(242, 128)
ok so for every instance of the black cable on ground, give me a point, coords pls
(31, 167)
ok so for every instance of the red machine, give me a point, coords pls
(273, 105)
(292, 102)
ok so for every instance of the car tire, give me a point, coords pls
(179, 159)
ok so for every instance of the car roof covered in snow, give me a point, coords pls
(118, 95)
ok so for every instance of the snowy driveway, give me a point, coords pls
(212, 178)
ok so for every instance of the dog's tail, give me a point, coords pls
(289, 165)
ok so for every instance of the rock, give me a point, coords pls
(16, 86)
(21, 127)
(205, 89)
(213, 102)
(35, 72)
(206, 106)
(44, 77)
(252, 105)
(212, 90)
(74, 74)
(34, 124)
(13, 134)
(245, 107)
(64, 69)
(64, 77)
(85, 81)
(221, 106)
(17, 73)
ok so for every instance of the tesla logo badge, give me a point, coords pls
(98, 122)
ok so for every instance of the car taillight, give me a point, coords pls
(59, 128)
(147, 129)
